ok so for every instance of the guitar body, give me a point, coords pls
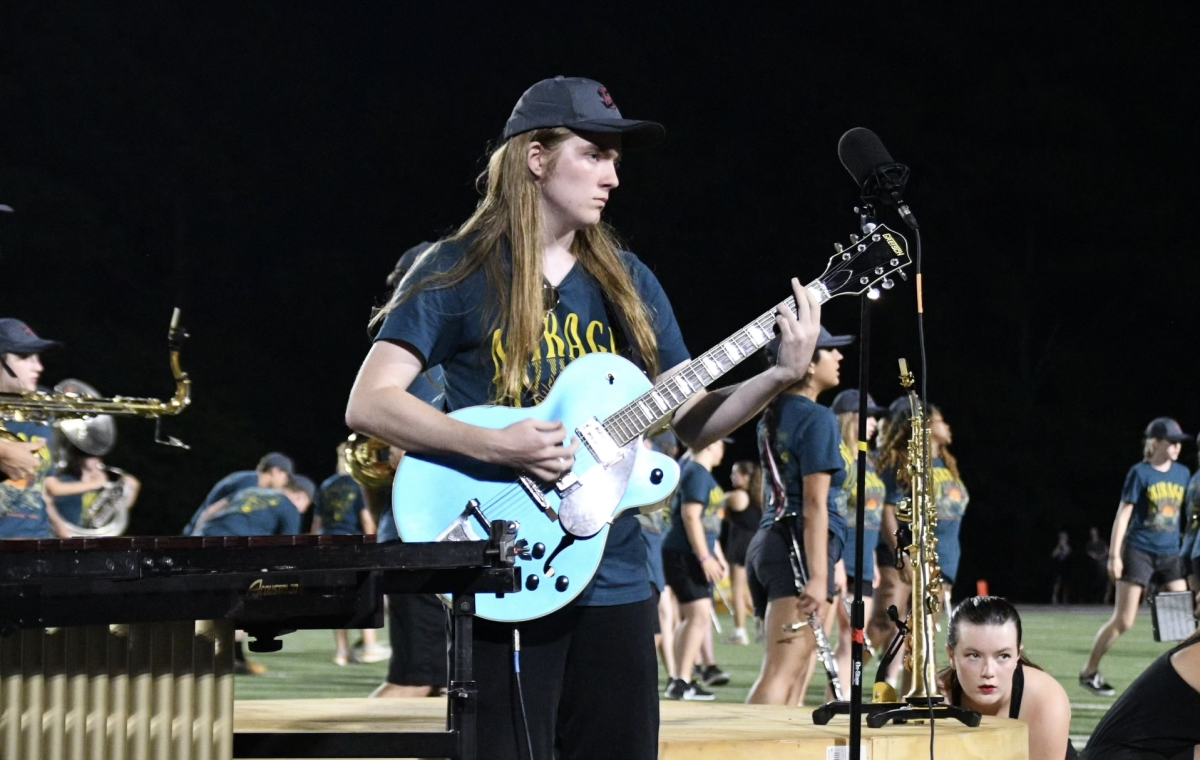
(431, 492)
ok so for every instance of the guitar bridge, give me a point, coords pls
(535, 492)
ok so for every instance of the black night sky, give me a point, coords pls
(262, 165)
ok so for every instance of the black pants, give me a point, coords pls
(590, 679)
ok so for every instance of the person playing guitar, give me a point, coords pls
(531, 281)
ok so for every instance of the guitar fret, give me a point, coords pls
(756, 334)
(732, 350)
(710, 366)
(683, 384)
(658, 400)
(645, 410)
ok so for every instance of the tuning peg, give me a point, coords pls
(837, 247)
(874, 294)
(903, 276)
(854, 238)
(887, 283)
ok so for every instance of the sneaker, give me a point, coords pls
(247, 668)
(341, 659)
(714, 676)
(1096, 684)
(373, 654)
(693, 693)
(676, 689)
(737, 637)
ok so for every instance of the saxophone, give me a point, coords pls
(42, 406)
(85, 420)
(921, 512)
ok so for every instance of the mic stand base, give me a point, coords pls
(880, 714)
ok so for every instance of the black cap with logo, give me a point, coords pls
(16, 337)
(582, 105)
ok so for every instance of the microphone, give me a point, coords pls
(881, 178)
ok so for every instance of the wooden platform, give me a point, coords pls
(689, 729)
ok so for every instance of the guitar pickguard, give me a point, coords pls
(588, 508)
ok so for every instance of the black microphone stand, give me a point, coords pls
(855, 707)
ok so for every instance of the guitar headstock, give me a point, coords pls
(864, 262)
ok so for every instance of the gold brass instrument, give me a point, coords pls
(921, 512)
(368, 460)
(48, 407)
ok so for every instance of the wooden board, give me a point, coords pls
(690, 730)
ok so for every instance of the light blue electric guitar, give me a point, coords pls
(609, 404)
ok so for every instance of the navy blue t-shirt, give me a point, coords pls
(255, 512)
(1157, 499)
(339, 504)
(453, 327)
(950, 495)
(696, 484)
(806, 440)
(22, 504)
(70, 508)
(1191, 547)
(225, 487)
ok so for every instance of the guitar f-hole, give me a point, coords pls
(566, 541)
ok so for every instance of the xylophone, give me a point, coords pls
(121, 647)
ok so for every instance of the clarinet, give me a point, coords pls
(824, 652)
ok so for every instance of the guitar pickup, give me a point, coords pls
(535, 492)
(600, 443)
(566, 485)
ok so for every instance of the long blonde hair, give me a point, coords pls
(509, 216)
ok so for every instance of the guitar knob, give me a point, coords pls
(562, 583)
(656, 476)
(532, 582)
(539, 550)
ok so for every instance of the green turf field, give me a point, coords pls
(1058, 639)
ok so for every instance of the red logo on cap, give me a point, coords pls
(28, 331)
(608, 101)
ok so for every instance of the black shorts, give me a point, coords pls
(868, 589)
(1196, 566)
(1141, 566)
(418, 628)
(736, 543)
(685, 576)
(769, 566)
(884, 555)
(656, 596)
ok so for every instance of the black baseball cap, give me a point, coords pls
(16, 337)
(1166, 429)
(305, 484)
(847, 401)
(582, 105)
(829, 340)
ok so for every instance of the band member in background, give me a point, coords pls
(80, 481)
(339, 509)
(418, 626)
(892, 588)
(25, 512)
(273, 471)
(845, 406)
(946, 487)
(1189, 551)
(1145, 538)
(799, 441)
(654, 530)
(990, 674)
(490, 305)
(259, 511)
(690, 564)
(743, 513)
(1156, 716)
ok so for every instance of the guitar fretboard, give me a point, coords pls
(642, 413)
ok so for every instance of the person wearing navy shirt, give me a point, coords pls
(1145, 538)
(259, 511)
(531, 281)
(845, 406)
(1189, 550)
(690, 564)
(274, 470)
(80, 481)
(24, 510)
(800, 451)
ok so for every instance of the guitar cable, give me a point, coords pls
(520, 691)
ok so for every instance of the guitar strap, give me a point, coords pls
(621, 332)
